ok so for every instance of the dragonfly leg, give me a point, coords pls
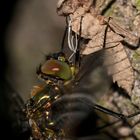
(64, 36)
(77, 55)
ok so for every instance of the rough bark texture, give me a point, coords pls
(119, 60)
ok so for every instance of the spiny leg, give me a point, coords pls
(105, 33)
(110, 112)
(105, 110)
(95, 106)
(120, 116)
(64, 36)
(77, 55)
(77, 99)
(87, 101)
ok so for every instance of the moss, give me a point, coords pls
(137, 131)
(138, 4)
(109, 12)
(136, 60)
(135, 98)
(136, 56)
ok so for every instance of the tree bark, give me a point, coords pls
(95, 14)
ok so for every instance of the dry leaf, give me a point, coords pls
(119, 66)
(94, 29)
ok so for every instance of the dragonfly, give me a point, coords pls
(59, 74)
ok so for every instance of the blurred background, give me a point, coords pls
(33, 31)
(29, 29)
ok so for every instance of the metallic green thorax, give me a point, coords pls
(43, 95)
(39, 111)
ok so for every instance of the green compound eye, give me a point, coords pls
(57, 68)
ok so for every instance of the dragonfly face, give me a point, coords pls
(56, 68)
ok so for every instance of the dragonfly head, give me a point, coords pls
(56, 67)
